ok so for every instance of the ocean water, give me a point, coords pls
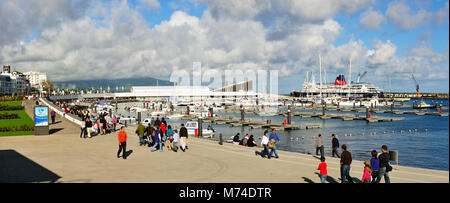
(426, 148)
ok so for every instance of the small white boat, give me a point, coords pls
(192, 128)
(175, 117)
(424, 105)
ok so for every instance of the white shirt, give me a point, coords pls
(265, 140)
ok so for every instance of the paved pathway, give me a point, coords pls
(72, 159)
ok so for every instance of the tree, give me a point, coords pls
(47, 86)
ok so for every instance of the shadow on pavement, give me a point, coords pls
(329, 178)
(16, 168)
(55, 130)
(307, 180)
(128, 153)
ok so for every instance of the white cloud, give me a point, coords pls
(152, 4)
(399, 13)
(120, 44)
(372, 19)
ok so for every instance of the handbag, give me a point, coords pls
(388, 168)
(272, 144)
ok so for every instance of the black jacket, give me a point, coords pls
(384, 159)
(335, 143)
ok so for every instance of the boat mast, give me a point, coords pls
(320, 75)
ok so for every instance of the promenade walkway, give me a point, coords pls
(65, 157)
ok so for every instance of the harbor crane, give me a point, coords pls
(360, 76)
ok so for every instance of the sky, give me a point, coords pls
(82, 39)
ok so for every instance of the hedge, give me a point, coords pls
(9, 116)
(15, 128)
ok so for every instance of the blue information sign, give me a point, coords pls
(41, 116)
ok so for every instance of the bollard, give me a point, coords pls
(139, 117)
(393, 156)
(289, 115)
(200, 127)
(323, 110)
(211, 111)
(220, 139)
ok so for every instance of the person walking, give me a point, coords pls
(367, 178)
(114, 122)
(375, 164)
(384, 165)
(319, 146)
(157, 121)
(102, 125)
(88, 126)
(150, 133)
(53, 115)
(122, 135)
(334, 145)
(140, 132)
(170, 133)
(273, 138)
(175, 140)
(323, 170)
(183, 137)
(265, 145)
(157, 139)
(346, 161)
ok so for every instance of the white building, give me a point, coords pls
(35, 78)
(13, 82)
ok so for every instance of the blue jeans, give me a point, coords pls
(156, 144)
(345, 173)
(323, 178)
(274, 150)
(141, 139)
(382, 172)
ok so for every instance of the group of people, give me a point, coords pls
(247, 141)
(161, 135)
(374, 169)
(98, 125)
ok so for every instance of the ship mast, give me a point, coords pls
(320, 69)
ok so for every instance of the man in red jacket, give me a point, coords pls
(122, 143)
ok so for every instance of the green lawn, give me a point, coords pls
(24, 119)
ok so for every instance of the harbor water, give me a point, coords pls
(421, 140)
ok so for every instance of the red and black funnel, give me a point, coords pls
(340, 80)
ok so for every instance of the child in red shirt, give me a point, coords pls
(323, 170)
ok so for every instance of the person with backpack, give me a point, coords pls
(385, 168)
(375, 165)
(273, 139)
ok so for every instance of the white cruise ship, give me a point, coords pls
(338, 88)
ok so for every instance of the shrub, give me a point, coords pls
(9, 116)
